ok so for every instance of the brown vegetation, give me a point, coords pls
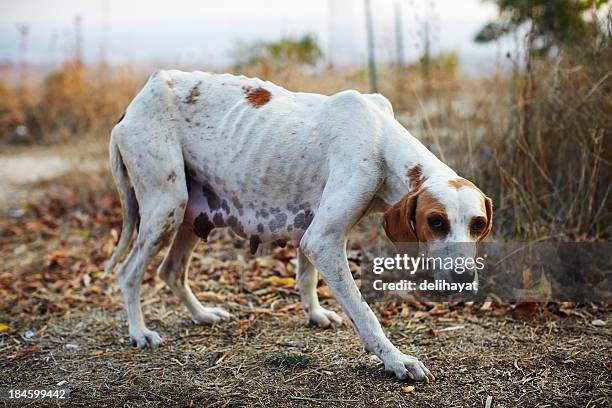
(536, 141)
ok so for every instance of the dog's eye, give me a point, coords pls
(436, 223)
(478, 226)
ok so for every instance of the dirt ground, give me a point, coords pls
(62, 322)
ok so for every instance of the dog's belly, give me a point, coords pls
(258, 219)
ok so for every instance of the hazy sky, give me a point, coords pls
(192, 33)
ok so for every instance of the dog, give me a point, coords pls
(197, 151)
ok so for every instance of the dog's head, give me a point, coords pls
(447, 218)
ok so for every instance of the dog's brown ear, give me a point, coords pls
(489, 211)
(398, 221)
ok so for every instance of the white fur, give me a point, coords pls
(340, 156)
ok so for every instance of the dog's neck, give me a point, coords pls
(408, 163)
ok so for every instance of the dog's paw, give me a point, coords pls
(324, 318)
(146, 338)
(404, 367)
(210, 315)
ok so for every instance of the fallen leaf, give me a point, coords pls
(4, 328)
(285, 282)
(439, 309)
(283, 254)
(526, 310)
(243, 325)
(211, 297)
(386, 322)
(25, 354)
(486, 306)
(408, 389)
(324, 292)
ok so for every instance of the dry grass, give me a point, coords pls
(565, 363)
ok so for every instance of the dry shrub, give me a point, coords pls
(73, 102)
(11, 116)
(551, 167)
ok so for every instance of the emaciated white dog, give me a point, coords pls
(197, 151)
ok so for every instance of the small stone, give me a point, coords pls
(16, 213)
(20, 250)
(598, 323)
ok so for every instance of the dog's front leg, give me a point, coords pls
(327, 251)
(307, 285)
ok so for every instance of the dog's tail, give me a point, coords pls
(129, 205)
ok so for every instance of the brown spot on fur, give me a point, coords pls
(171, 176)
(164, 237)
(236, 226)
(170, 83)
(193, 95)
(415, 175)
(461, 182)
(202, 226)
(303, 219)
(279, 221)
(162, 240)
(258, 97)
(224, 206)
(214, 202)
(237, 204)
(254, 242)
(218, 220)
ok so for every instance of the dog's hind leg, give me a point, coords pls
(307, 285)
(161, 193)
(161, 213)
(173, 271)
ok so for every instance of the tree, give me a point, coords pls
(302, 51)
(554, 22)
